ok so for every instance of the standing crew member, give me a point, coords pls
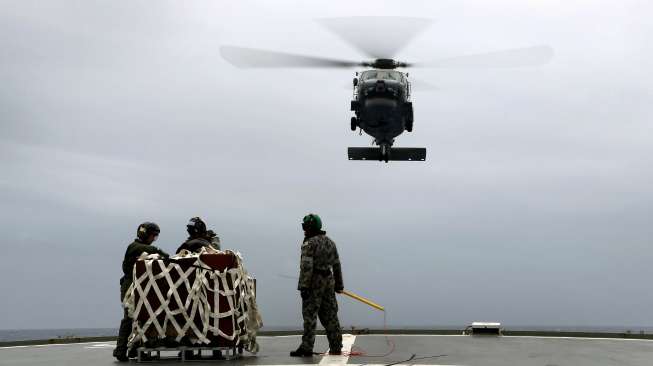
(197, 238)
(320, 277)
(146, 234)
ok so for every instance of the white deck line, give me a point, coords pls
(100, 346)
(328, 360)
(340, 360)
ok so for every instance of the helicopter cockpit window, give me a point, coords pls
(369, 75)
(383, 75)
(389, 75)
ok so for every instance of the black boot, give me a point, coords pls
(120, 354)
(188, 355)
(300, 352)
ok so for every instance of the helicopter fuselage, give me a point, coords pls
(381, 104)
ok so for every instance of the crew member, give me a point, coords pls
(146, 234)
(197, 236)
(320, 277)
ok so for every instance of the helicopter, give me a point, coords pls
(381, 100)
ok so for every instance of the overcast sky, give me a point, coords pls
(534, 206)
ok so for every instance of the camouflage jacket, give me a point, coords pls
(194, 245)
(319, 260)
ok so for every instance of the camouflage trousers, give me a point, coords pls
(321, 302)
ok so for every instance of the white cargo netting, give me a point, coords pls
(189, 300)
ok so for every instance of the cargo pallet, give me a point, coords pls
(236, 353)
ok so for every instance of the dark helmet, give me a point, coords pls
(146, 229)
(312, 222)
(196, 227)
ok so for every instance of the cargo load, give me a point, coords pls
(205, 299)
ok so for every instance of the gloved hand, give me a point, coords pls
(339, 290)
(306, 293)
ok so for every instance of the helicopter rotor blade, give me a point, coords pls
(421, 85)
(376, 37)
(529, 56)
(244, 57)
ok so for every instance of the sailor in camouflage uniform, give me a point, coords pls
(146, 234)
(319, 279)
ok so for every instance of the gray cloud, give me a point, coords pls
(532, 208)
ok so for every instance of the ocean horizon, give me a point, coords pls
(9, 335)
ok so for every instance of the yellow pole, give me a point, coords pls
(363, 300)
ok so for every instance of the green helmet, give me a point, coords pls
(312, 222)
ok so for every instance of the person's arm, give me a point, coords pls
(159, 251)
(149, 249)
(306, 266)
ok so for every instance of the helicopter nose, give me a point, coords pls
(380, 86)
(382, 105)
(379, 111)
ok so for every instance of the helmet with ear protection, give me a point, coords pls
(196, 227)
(146, 229)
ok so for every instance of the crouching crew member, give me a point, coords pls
(146, 234)
(320, 278)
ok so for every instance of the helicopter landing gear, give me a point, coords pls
(354, 123)
(409, 126)
(409, 116)
(385, 151)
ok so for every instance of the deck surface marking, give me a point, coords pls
(340, 360)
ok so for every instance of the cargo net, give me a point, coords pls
(205, 299)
